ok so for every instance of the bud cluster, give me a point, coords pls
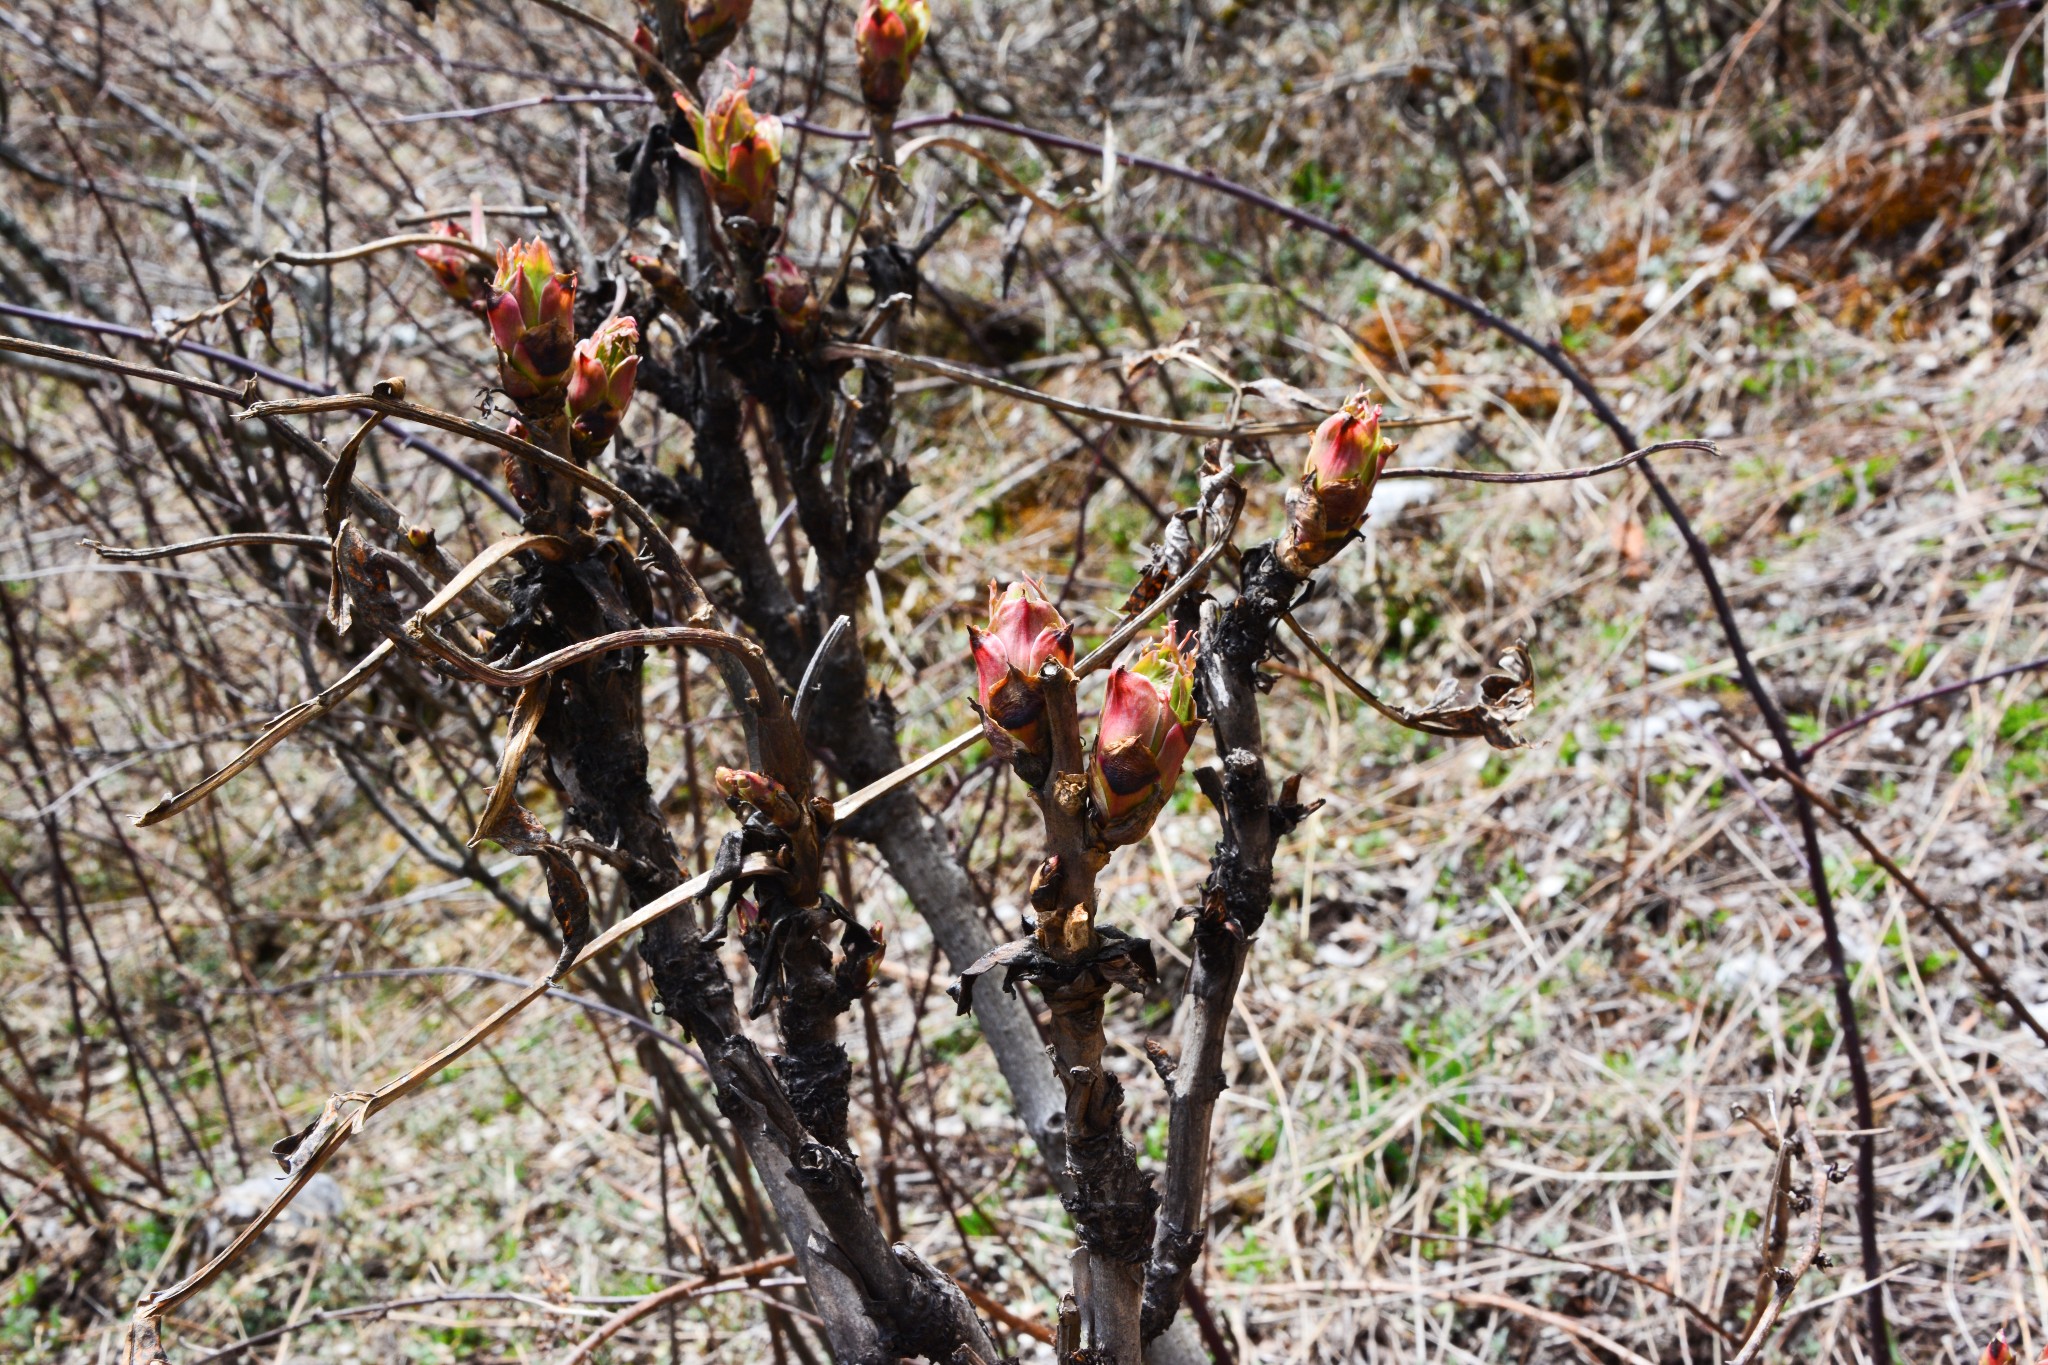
(1148, 713)
(601, 384)
(531, 313)
(738, 154)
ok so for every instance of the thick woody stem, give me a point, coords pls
(849, 725)
(1233, 908)
(1112, 1201)
(878, 1302)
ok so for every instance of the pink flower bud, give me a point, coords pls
(453, 267)
(1344, 461)
(764, 794)
(887, 36)
(1347, 446)
(738, 153)
(1997, 1351)
(531, 320)
(601, 378)
(1024, 633)
(1148, 722)
(789, 294)
(713, 24)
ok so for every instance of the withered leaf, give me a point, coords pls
(261, 311)
(1173, 556)
(1505, 698)
(1117, 957)
(1284, 393)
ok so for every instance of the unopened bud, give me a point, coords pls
(1325, 509)
(601, 382)
(887, 36)
(789, 294)
(1148, 722)
(713, 24)
(532, 321)
(462, 275)
(764, 794)
(738, 154)
(1025, 632)
(644, 42)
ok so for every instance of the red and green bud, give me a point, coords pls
(532, 321)
(1025, 632)
(713, 24)
(1148, 722)
(1997, 1351)
(887, 36)
(789, 293)
(764, 794)
(738, 153)
(601, 379)
(462, 275)
(1344, 461)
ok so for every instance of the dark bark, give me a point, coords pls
(847, 725)
(1235, 899)
(856, 1277)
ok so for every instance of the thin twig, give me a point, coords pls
(1988, 974)
(487, 210)
(1946, 689)
(187, 547)
(662, 1298)
(848, 350)
(1760, 1329)
(1543, 475)
(293, 382)
(1359, 689)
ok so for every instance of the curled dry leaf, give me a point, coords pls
(1285, 394)
(1173, 556)
(1505, 698)
(1118, 957)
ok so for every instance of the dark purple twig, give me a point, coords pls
(1944, 690)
